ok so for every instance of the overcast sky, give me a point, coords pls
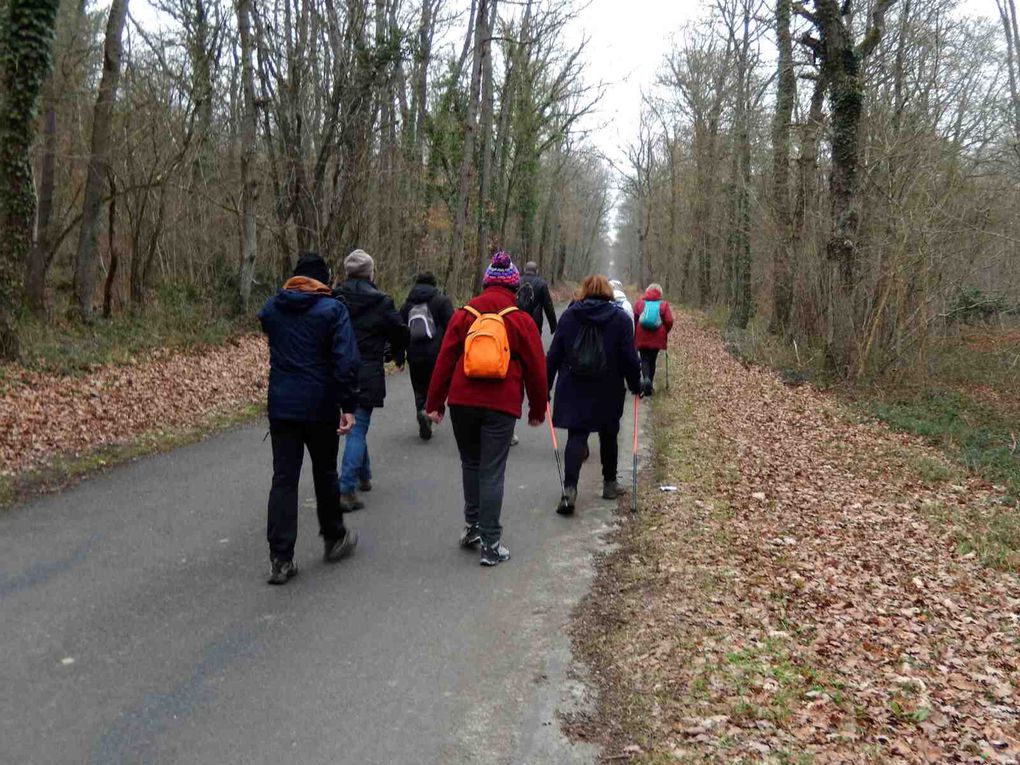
(627, 42)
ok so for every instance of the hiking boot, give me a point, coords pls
(281, 571)
(567, 501)
(337, 549)
(470, 536)
(349, 502)
(493, 554)
(424, 425)
(514, 440)
(612, 490)
(365, 484)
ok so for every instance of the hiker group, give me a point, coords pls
(329, 346)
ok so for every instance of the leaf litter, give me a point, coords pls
(795, 600)
(43, 415)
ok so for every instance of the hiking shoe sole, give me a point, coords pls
(282, 575)
(470, 537)
(493, 556)
(350, 503)
(340, 548)
(424, 426)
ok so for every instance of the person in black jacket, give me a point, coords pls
(427, 312)
(533, 297)
(377, 324)
(313, 370)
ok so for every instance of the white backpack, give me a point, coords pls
(421, 324)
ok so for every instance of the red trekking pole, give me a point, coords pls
(634, 501)
(556, 448)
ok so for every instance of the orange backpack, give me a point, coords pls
(487, 348)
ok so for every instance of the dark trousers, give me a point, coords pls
(483, 438)
(421, 376)
(648, 358)
(290, 438)
(577, 446)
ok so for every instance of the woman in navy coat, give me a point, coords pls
(588, 403)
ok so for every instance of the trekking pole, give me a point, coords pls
(556, 448)
(666, 352)
(634, 501)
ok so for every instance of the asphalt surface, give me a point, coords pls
(136, 625)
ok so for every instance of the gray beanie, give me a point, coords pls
(359, 265)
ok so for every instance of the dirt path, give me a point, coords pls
(818, 590)
(44, 415)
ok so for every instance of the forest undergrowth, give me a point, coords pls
(820, 588)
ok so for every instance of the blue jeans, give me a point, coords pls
(355, 464)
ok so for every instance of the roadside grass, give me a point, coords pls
(175, 318)
(64, 469)
(974, 433)
(654, 628)
(965, 402)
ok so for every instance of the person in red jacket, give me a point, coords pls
(484, 411)
(653, 320)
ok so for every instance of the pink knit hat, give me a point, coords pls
(502, 272)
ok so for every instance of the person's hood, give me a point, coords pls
(620, 296)
(299, 293)
(616, 284)
(653, 294)
(421, 293)
(360, 296)
(596, 310)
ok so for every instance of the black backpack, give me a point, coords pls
(526, 298)
(587, 356)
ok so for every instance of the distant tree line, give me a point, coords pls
(849, 171)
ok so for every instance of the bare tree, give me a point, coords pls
(248, 134)
(786, 97)
(87, 264)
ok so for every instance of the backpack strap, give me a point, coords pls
(473, 311)
(505, 311)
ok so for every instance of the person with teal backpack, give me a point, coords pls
(653, 320)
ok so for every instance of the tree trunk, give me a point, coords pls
(485, 207)
(1008, 16)
(841, 66)
(42, 250)
(85, 270)
(467, 164)
(28, 32)
(742, 300)
(249, 181)
(786, 96)
(111, 273)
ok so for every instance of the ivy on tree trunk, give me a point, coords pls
(25, 48)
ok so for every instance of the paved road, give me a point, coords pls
(135, 624)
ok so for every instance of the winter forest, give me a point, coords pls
(846, 173)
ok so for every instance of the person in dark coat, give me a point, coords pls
(534, 299)
(427, 312)
(586, 404)
(654, 337)
(377, 326)
(313, 371)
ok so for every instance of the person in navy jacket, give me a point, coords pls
(592, 404)
(313, 392)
